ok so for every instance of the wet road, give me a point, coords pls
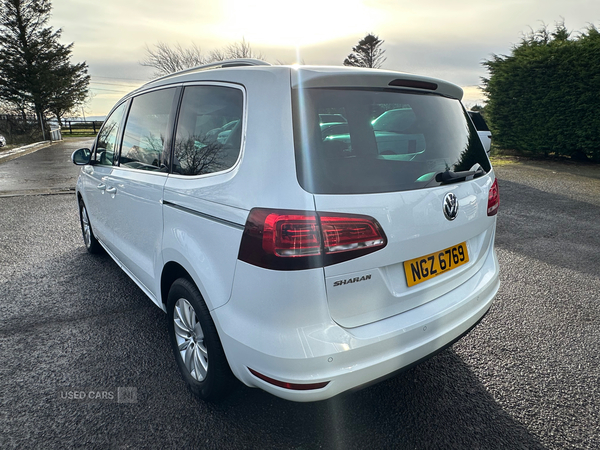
(46, 170)
(527, 377)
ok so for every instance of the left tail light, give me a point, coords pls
(293, 240)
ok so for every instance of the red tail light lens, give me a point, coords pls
(493, 199)
(291, 235)
(293, 240)
(343, 233)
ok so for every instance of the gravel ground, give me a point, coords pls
(526, 377)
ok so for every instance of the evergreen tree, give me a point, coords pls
(543, 97)
(367, 53)
(35, 69)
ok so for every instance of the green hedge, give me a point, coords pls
(545, 97)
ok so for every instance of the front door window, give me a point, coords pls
(107, 137)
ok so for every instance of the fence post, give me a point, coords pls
(94, 125)
(70, 128)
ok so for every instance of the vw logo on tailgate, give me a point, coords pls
(450, 206)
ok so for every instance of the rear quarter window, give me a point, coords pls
(209, 130)
(388, 140)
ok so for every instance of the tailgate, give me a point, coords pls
(374, 287)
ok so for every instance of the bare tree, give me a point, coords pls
(218, 55)
(198, 155)
(166, 59)
(241, 49)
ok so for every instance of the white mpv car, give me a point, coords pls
(305, 257)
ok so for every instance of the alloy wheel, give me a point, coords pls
(190, 339)
(85, 227)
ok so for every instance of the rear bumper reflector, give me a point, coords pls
(285, 385)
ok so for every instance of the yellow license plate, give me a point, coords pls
(426, 267)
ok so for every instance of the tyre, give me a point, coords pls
(196, 344)
(91, 243)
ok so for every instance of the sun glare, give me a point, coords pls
(303, 23)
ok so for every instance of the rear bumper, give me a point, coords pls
(307, 347)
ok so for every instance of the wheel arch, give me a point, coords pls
(171, 272)
(79, 199)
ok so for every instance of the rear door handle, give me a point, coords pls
(111, 190)
(102, 186)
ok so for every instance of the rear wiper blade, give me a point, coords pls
(449, 176)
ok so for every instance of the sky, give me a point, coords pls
(446, 39)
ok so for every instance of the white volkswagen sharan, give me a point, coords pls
(309, 230)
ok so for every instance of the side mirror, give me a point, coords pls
(81, 157)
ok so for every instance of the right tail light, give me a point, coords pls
(493, 199)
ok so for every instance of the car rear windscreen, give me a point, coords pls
(380, 140)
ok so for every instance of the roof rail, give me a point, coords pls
(234, 63)
(240, 62)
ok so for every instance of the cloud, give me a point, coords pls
(441, 38)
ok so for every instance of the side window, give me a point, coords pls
(209, 130)
(146, 131)
(107, 137)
